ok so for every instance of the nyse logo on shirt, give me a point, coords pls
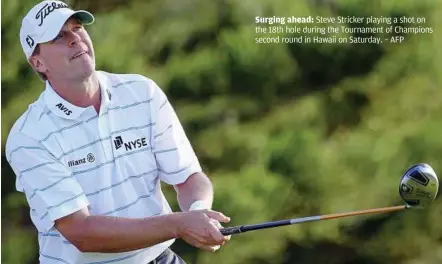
(63, 108)
(130, 145)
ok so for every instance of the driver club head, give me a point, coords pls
(419, 185)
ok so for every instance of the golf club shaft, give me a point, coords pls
(244, 228)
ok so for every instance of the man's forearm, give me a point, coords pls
(197, 187)
(107, 234)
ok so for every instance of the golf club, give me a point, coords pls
(418, 188)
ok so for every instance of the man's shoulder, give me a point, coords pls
(28, 125)
(133, 81)
(125, 79)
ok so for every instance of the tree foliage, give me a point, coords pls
(283, 130)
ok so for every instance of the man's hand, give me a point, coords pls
(215, 248)
(200, 229)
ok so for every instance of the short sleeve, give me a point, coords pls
(176, 159)
(51, 190)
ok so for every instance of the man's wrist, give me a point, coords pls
(175, 222)
(200, 205)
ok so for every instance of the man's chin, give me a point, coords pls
(87, 74)
(87, 69)
(82, 75)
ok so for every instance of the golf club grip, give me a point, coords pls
(231, 230)
(244, 228)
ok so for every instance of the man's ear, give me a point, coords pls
(37, 63)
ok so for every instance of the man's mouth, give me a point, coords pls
(79, 54)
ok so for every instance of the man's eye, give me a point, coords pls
(59, 36)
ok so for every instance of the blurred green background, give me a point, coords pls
(283, 130)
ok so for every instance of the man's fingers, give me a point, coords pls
(207, 234)
(218, 216)
(204, 247)
(216, 223)
(201, 245)
(219, 226)
(205, 238)
(215, 248)
(210, 248)
(211, 236)
(216, 234)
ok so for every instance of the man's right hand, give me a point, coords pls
(110, 234)
(201, 229)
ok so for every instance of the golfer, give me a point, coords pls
(90, 153)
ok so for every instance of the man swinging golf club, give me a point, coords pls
(91, 151)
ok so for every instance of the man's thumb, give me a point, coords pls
(218, 216)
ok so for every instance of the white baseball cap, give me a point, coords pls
(44, 22)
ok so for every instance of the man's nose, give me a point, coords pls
(74, 39)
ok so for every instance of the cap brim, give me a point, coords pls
(84, 16)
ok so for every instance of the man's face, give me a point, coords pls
(69, 56)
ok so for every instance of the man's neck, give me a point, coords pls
(81, 94)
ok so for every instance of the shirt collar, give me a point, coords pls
(60, 106)
(65, 109)
(106, 95)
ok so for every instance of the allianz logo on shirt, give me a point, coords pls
(129, 145)
(89, 158)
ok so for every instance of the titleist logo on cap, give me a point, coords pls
(47, 9)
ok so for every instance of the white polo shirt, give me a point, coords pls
(67, 157)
